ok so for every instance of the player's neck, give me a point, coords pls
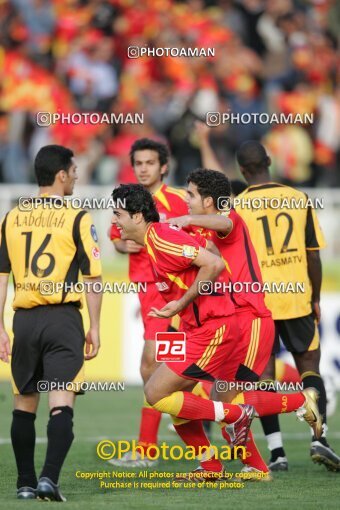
(51, 190)
(155, 187)
(140, 235)
(210, 210)
(258, 179)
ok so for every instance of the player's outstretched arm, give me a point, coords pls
(209, 159)
(5, 346)
(315, 275)
(216, 222)
(94, 303)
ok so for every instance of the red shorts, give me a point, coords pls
(213, 351)
(152, 325)
(256, 337)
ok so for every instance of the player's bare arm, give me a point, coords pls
(210, 246)
(94, 302)
(127, 246)
(5, 346)
(315, 274)
(209, 159)
(215, 222)
(210, 266)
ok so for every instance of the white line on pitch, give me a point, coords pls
(294, 436)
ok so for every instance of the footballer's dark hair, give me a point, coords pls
(136, 199)
(252, 156)
(49, 161)
(210, 183)
(144, 144)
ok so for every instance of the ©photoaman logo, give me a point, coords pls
(170, 346)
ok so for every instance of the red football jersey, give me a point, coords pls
(170, 202)
(172, 252)
(240, 257)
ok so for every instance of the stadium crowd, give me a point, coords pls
(71, 56)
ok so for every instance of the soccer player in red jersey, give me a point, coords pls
(179, 263)
(149, 159)
(208, 190)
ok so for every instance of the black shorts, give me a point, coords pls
(48, 346)
(298, 335)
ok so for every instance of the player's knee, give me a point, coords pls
(151, 395)
(308, 361)
(28, 405)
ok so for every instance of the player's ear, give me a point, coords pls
(138, 218)
(164, 169)
(58, 177)
(208, 202)
(62, 175)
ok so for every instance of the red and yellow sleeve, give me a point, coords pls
(173, 249)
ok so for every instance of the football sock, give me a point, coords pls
(23, 442)
(253, 457)
(274, 442)
(192, 434)
(202, 389)
(190, 407)
(267, 403)
(271, 429)
(314, 380)
(59, 440)
(149, 425)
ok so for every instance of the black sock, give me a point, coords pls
(23, 442)
(314, 380)
(271, 425)
(60, 437)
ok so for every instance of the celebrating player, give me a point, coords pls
(150, 163)
(230, 235)
(44, 243)
(292, 256)
(212, 351)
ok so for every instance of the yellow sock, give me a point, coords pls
(171, 404)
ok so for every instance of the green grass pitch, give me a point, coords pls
(115, 415)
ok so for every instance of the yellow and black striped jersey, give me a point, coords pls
(45, 246)
(283, 226)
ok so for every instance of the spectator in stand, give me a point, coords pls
(71, 56)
